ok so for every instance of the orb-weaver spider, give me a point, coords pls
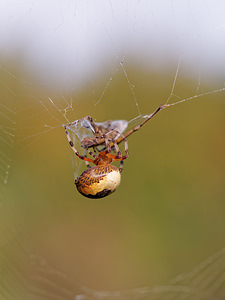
(104, 178)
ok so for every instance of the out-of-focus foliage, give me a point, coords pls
(166, 216)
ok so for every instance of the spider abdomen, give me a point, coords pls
(98, 181)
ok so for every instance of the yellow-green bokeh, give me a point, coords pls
(168, 213)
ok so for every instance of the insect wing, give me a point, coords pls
(109, 126)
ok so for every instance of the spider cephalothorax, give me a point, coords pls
(104, 178)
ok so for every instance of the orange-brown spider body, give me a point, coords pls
(102, 179)
(98, 181)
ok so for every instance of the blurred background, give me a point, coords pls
(61, 61)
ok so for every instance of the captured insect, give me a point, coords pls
(103, 179)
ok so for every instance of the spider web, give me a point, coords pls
(29, 119)
(42, 115)
(7, 127)
(205, 281)
(82, 128)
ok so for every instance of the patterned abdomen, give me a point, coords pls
(98, 181)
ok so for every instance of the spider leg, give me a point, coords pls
(86, 162)
(74, 149)
(121, 166)
(120, 139)
(94, 149)
(125, 145)
(118, 152)
(107, 144)
(119, 157)
(91, 153)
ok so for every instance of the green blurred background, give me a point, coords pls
(168, 213)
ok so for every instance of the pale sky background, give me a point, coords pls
(74, 41)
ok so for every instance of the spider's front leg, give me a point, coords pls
(74, 149)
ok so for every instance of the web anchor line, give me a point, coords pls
(149, 117)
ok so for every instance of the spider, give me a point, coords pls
(103, 179)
